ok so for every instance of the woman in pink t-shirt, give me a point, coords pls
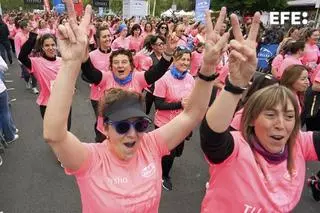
(262, 167)
(44, 65)
(295, 77)
(135, 39)
(123, 74)
(122, 174)
(295, 50)
(148, 30)
(179, 31)
(311, 54)
(171, 94)
(19, 40)
(100, 59)
(122, 41)
(196, 59)
(277, 61)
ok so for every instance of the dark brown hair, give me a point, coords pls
(122, 51)
(116, 94)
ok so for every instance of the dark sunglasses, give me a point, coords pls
(183, 49)
(122, 127)
(165, 28)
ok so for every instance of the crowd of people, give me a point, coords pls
(256, 148)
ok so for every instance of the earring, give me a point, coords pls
(107, 137)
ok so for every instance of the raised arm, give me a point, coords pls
(177, 129)
(89, 73)
(26, 50)
(72, 44)
(216, 141)
(156, 72)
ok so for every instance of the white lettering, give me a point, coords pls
(274, 18)
(247, 208)
(295, 18)
(251, 209)
(118, 180)
(284, 16)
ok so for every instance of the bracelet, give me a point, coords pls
(208, 78)
(233, 89)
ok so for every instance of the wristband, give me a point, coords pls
(233, 89)
(208, 78)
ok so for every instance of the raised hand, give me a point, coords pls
(73, 39)
(215, 45)
(242, 58)
(171, 44)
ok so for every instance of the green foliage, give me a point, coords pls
(245, 6)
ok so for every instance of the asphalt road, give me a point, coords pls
(31, 181)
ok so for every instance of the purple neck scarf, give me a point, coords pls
(272, 158)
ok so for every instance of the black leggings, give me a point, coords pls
(99, 136)
(167, 161)
(43, 111)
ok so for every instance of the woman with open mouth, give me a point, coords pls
(122, 174)
(44, 65)
(123, 73)
(262, 167)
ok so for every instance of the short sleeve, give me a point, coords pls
(87, 165)
(141, 80)
(305, 140)
(106, 78)
(160, 88)
(156, 142)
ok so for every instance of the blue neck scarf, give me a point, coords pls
(124, 81)
(177, 74)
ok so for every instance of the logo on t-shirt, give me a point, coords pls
(148, 171)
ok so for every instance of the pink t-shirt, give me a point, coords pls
(238, 184)
(142, 62)
(108, 184)
(45, 72)
(310, 56)
(120, 43)
(196, 59)
(236, 121)
(172, 90)
(182, 41)
(288, 61)
(276, 63)
(135, 43)
(43, 31)
(100, 61)
(19, 40)
(137, 84)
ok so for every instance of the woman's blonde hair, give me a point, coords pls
(269, 98)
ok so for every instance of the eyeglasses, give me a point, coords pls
(122, 127)
(163, 28)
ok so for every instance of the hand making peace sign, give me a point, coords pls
(73, 38)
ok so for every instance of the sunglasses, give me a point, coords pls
(122, 127)
(164, 28)
(160, 44)
(183, 49)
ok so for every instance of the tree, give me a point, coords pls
(245, 6)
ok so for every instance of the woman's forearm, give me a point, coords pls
(220, 114)
(197, 104)
(58, 107)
